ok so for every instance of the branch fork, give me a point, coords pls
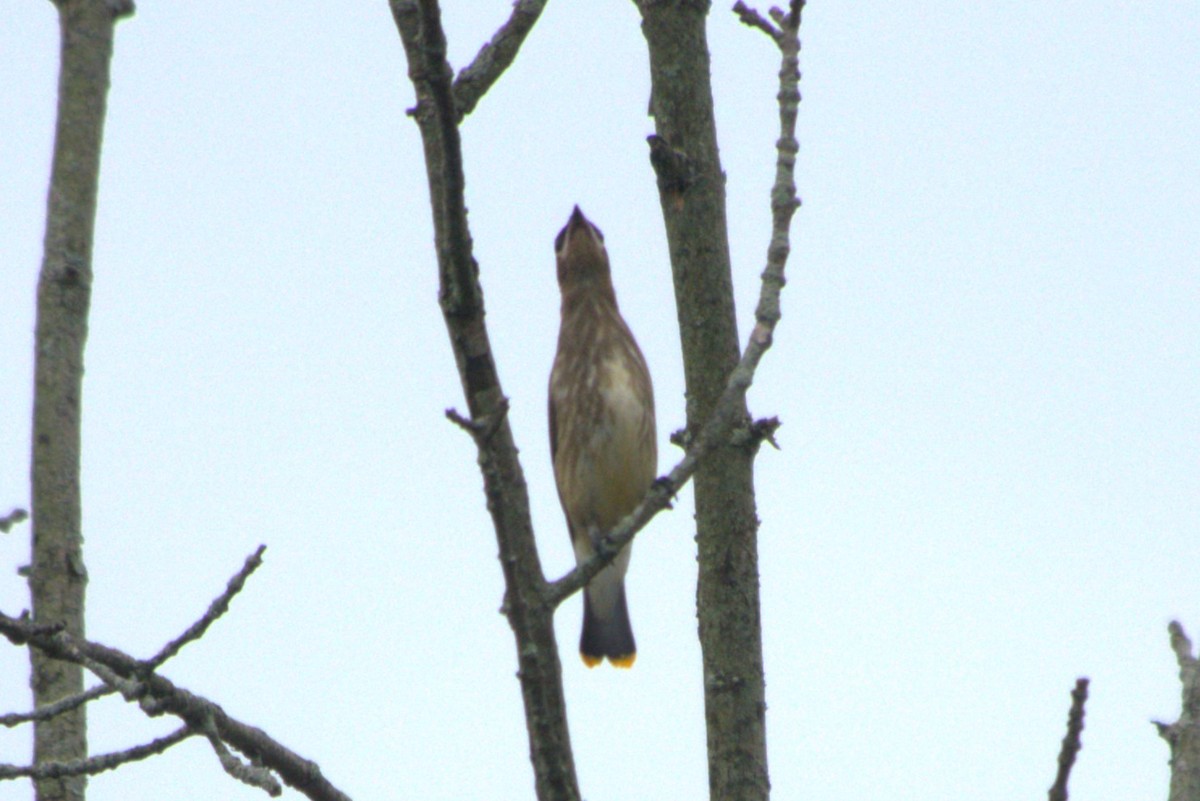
(138, 681)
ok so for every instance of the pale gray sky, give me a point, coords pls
(987, 372)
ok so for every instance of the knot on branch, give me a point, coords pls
(665, 486)
(483, 428)
(682, 438)
(759, 432)
(675, 171)
(722, 683)
(120, 8)
(752, 435)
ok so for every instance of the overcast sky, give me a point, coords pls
(987, 373)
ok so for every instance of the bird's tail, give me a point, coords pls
(607, 633)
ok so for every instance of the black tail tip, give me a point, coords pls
(607, 638)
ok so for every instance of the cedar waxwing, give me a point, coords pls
(602, 436)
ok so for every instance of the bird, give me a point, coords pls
(602, 431)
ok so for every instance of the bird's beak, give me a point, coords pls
(577, 232)
(577, 219)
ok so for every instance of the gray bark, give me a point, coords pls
(693, 206)
(57, 577)
(527, 604)
(1183, 736)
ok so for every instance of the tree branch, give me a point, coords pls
(1183, 736)
(480, 430)
(752, 18)
(96, 764)
(495, 56)
(137, 682)
(1071, 741)
(717, 372)
(11, 519)
(157, 695)
(218, 607)
(247, 774)
(58, 707)
(461, 298)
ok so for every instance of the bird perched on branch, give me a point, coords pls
(602, 435)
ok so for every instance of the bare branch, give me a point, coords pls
(461, 298)
(129, 687)
(97, 764)
(218, 607)
(58, 707)
(1183, 736)
(495, 56)
(11, 519)
(1071, 741)
(157, 695)
(133, 689)
(120, 8)
(750, 17)
(454, 416)
(243, 772)
(1182, 646)
(480, 430)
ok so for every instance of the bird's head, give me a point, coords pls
(582, 259)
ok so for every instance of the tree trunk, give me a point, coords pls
(692, 190)
(57, 577)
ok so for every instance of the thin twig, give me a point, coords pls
(750, 17)
(97, 764)
(57, 708)
(725, 416)
(483, 429)
(218, 607)
(461, 300)
(243, 772)
(157, 693)
(11, 519)
(1181, 644)
(494, 58)
(1071, 741)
